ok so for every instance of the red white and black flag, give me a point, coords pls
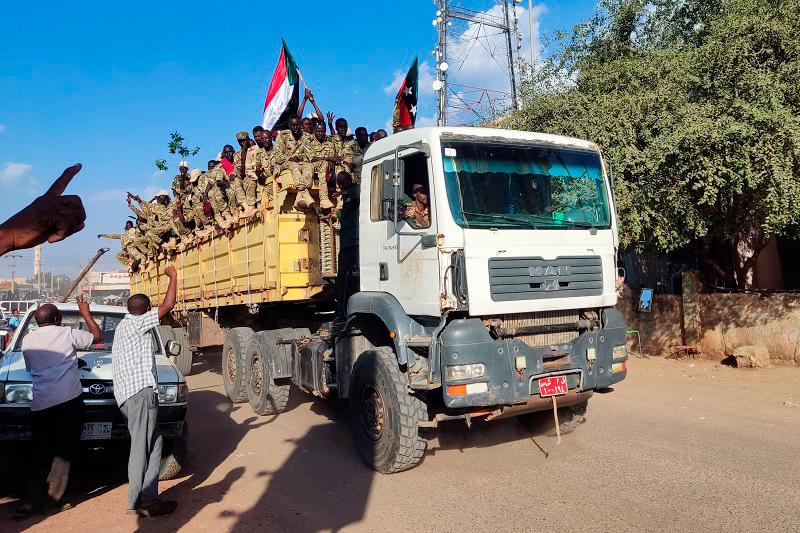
(405, 103)
(283, 93)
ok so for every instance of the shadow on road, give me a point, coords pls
(214, 437)
(322, 486)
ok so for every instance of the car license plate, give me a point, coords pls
(554, 386)
(96, 430)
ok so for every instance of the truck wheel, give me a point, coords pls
(264, 396)
(166, 334)
(542, 423)
(234, 363)
(174, 455)
(184, 360)
(384, 416)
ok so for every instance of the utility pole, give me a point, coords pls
(445, 15)
(13, 258)
(441, 59)
(530, 27)
(511, 76)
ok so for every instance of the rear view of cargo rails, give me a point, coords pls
(499, 302)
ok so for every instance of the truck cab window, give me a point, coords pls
(416, 192)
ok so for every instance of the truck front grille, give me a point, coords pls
(545, 318)
(529, 278)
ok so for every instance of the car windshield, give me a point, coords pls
(107, 321)
(524, 186)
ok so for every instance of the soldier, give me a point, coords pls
(417, 213)
(293, 146)
(373, 137)
(223, 201)
(246, 161)
(237, 179)
(347, 282)
(183, 173)
(321, 152)
(361, 145)
(270, 161)
(382, 134)
(344, 148)
(127, 253)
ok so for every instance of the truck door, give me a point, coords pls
(406, 256)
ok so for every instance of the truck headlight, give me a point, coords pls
(168, 393)
(459, 372)
(18, 393)
(619, 352)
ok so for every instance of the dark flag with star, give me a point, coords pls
(405, 103)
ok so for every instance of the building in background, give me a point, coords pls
(107, 287)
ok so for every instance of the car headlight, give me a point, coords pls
(168, 393)
(172, 393)
(619, 352)
(18, 393)
(459, 372)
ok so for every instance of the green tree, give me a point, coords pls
(176, 145)
(695, 103)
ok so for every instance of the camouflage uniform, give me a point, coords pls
(247, 173)
(176, 182)
(347, 149)
(321, 149)
(419, 218)
(178, 226)
(223, 200)
(233, 192)
(289, 147)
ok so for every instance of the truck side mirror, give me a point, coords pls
(173, 348)
(388, 194)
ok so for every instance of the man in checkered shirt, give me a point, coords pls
(134, 368)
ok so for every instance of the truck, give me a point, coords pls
(501, 303)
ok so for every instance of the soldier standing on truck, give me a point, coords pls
(344, 148)
(321, 155)
(293, 145)
(183, 173)
(128, 252)
(347, 282)
(243, 160)
(269, 161)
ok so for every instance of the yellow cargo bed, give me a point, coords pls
(275, 256)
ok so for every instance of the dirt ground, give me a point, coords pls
(678, 446)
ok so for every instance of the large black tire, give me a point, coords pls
(384, 416)
(265, 397)
(542, 422)
(234, 363)
(174, 455)
(184, 360)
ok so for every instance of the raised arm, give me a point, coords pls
(314, 103)
(110, 235)
(94, 329)
(303, 104)
(168, 302)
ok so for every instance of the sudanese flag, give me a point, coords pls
(405, 103)
(283, 93)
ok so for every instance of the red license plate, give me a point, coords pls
(554, 386)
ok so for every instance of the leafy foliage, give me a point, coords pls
(695, 103)
(176, 145)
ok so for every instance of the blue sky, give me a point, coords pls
(104, 83)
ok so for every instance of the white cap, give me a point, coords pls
(183, 164)
(162, 192)
(194, 174)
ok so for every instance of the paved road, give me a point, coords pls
(679, 446)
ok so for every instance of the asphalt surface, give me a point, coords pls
(678, 446)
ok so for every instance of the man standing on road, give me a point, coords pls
(57, 408)
(134, 368)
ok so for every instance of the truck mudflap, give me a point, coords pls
(512, 369)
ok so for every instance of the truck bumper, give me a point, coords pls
(15, 422)
(513, 368)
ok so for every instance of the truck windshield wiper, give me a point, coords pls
(507, 217)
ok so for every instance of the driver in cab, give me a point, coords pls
(417, 213)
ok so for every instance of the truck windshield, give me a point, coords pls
(524, 186)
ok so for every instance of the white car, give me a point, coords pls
(103, 420)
